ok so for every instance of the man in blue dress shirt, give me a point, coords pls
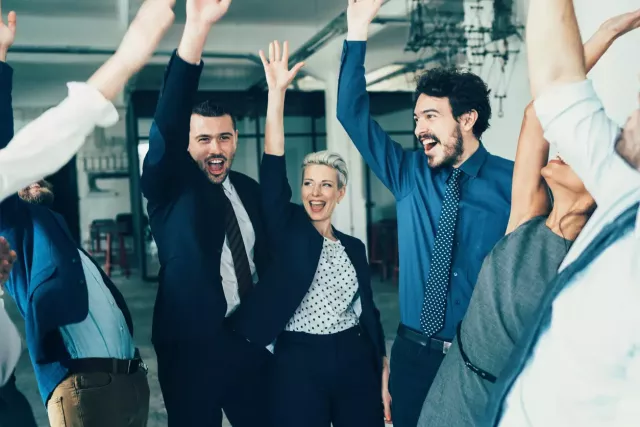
(453, 201)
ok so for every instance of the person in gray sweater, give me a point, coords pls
(515, 275)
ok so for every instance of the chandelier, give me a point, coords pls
(482, 35)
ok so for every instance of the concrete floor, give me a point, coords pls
(140, 297)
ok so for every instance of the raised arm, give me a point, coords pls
(169, 133)
(49, 142)
(570, 112)
(7, 36)
(529, 196)
(386, 158)
(554, 47)
(274, 185)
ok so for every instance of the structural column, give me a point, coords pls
(351, 214)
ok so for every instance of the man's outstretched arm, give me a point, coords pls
(49, 142)
(554, 48)
(169, 133)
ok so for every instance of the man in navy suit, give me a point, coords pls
(78, 327)
(206, 221)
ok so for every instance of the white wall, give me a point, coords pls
(617, 75)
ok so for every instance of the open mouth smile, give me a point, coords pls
(317, 205)
(215, 166)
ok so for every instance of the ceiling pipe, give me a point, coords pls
(73, 50)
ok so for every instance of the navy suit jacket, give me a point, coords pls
(186, 216)
(47, 280)
(297, 247)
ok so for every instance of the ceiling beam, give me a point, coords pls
(408, 68)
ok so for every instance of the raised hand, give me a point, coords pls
(206, 12)
(360, 13)
(622, 24)
(145, 32)
(276, 69)
(7, 33)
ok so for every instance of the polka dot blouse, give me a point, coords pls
(328, 306)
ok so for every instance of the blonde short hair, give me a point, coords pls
(331, 159)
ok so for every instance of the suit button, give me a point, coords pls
(457, 302)
(74, 260)
(82, 281)
(455, 274)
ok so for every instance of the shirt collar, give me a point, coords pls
(226, 184)
(472, 165)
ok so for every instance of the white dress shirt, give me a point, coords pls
(328, 307)
(227, 271)
(10, 345)
(585, 368)
(50, 141)
(104, 332)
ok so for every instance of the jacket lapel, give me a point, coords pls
(63, 224)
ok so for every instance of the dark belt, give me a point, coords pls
(104, 365)
(422, 339)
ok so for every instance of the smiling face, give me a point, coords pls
(38, 193)
(212, 144)
(320, 192)
(438, 131)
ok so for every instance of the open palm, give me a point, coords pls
(276, 69)
(360, 13)
(207, 11)
(8, 30)
(624, 23)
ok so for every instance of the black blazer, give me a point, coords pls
(296, 248)
(187, 220)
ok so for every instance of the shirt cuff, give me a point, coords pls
(561, 97)
(90, 98)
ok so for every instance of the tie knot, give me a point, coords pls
(455, 176)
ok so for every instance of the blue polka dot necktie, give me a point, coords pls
(435, 294)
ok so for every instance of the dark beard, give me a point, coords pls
(43, 196)
(458, 149)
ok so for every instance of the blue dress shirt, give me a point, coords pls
(485, 200)
(104, 332)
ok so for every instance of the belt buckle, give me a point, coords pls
(129, 366)
(445, 347)
(143, 366)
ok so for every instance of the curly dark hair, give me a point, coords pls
(465, 91)
(209, 108)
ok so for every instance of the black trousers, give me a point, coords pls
(14, 407)
(323, 380)
(197, 387)
(413, 369)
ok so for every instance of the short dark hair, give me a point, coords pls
(465, 91)
(209, 108)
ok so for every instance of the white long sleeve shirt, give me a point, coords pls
(10, 345)
(46, 144)
(585, 368)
